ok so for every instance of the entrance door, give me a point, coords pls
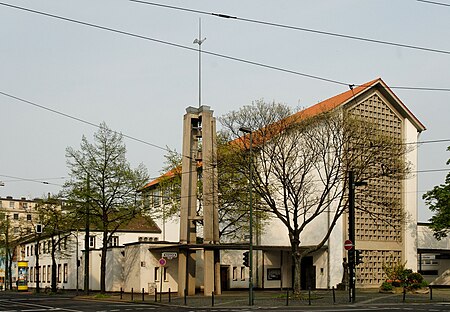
(308, 273)
(225, 277)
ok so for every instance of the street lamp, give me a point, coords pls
(250, 279)
(351, 233)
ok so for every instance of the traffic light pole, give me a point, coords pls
(351, 235)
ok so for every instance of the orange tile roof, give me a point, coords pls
(321, 107)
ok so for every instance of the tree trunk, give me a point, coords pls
(103, 263)
(297, 261)
(54, 282)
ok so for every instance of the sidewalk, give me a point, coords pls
(273, 298)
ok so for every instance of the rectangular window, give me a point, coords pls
(165, 274)
(44, 273)
(113, 241)
(32, 249)
(16, 216)
(156, 274)
(31, 274)
(156, 197)
(28, 217)
(59, 273)
(28, 251)
(91, 241)
(11, 204)
(49, 273)
(242, 273)
(65, 268)
(25, 205)
(235, 274)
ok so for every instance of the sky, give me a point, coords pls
(140, 75)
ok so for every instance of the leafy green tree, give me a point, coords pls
(438, 200)
(57, 225)
(101, 176)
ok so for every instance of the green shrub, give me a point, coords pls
(386, 286)
(415, 278)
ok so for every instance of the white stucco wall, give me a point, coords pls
(410, 199)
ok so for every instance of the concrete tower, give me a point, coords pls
(199, 145)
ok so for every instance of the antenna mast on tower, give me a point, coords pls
(199, 41)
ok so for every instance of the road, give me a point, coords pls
(13, 302)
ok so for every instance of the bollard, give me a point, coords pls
(309, 295)
(185, 296)
(156, 294)
(160, 295)
(431, 292)
(121, 293)
(212, 299)
(334, 295)
(132, 294)
(404, 293)
(287, 296)
(143, 294)
(169, 296)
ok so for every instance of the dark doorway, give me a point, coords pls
(308, 273)
(225, 277)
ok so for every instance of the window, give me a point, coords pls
(11, 204)
(165, 274)
(235, 273)
(49, 272)
(28, 217)
(44, 273)
(32, 249)
(28, 251)
(65, 269)
(156, 197)
(91, 241)
(31, 275)
(16, 216)
(156, 274)
(242, 273)
(59, 273)
(113, 241)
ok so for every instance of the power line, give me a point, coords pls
(31, 180)
(434, 2)
(321, 32)
(78, 119)
(232, 58)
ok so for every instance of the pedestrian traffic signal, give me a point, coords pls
(246, 260)
(359, 257)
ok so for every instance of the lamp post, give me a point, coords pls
(351, 233)
(250, 279)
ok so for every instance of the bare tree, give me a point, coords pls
(300, 164)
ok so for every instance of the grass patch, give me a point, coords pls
(101, 296)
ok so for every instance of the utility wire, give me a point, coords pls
(321, 32)
(285, 70)
(434, 2)
(31, 180)
(79, 119)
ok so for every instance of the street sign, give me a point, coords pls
(169, 254)
(348, 244)
(162, 262)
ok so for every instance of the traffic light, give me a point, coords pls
(246, 259)
(359, 257)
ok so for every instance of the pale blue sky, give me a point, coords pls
(142, 88)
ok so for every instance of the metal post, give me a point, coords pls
(169, 296)
(7, 267)
(132, 294)
(156, 294)
(351, 235)
(86, 241)
(334, 295)
(287, 296)
(120, 292)
(309, 295)
(143, 294)
(212, 299)
(250, 189)
(37, 269)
